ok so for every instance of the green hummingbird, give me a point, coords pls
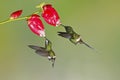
(45, 51)
(72, 36)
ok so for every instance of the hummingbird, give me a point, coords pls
(72, 36)
(45, 51)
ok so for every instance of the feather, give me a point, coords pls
(64, 34)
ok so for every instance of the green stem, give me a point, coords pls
(17, 19)
(36, 12)
(10, 20)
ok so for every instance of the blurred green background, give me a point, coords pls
(98, 21)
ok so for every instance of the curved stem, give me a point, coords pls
(17, 19)
(6, 21)
(10, 20)
(36, 12)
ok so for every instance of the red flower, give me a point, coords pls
(15, 14)
(36, 25)
(50, 15)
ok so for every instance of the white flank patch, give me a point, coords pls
(78, 39)
(54, 56)
(49, 57)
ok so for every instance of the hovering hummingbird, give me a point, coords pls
(45, 51)
(72, 36)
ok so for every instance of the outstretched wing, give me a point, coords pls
(43, 52)
(69, 29)
(34, 47)
(64, 34)
(39, 50)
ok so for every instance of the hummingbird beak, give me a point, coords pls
(62, 25)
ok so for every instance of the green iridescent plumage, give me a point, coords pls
(45, 51)
(72, 36)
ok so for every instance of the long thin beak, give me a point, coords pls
(62, 25)
(46, 38)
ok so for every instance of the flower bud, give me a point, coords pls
(15, 14)
(36, 25)
(50, 15)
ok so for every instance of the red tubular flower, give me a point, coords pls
(50, 15)
(36, 25)
(15, 14)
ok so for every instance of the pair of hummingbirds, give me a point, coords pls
(47, 50)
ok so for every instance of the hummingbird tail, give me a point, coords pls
(87, 45)
(90, 47)
(53, 64)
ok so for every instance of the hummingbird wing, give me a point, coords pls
(39, 50)
(42, 52)
(34, 47)
(69, 29)
(64, 34)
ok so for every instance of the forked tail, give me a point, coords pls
(89, 46)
